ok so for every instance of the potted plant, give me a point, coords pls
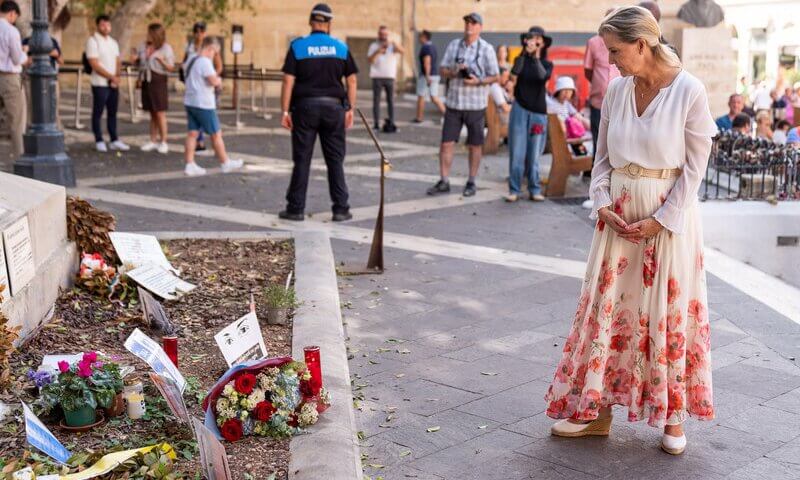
(109, 375)
(81, 388)
(280, 301)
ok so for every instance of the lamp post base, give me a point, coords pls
(56, 169)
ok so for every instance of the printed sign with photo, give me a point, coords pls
(242, 341)
(172, 395)
(145, 348)
(40, 437)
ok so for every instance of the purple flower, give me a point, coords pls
(40, 379)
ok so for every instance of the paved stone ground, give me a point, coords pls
(464, 329)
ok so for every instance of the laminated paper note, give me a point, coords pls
(40, 437)
(19, 254)
(242, 341)
(145, 348)
(172, 395)
(212, 453)
(159, 281)
(140, 250)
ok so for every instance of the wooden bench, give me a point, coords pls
(564, 162)
(497, 130)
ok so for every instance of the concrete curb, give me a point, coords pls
(330, 450)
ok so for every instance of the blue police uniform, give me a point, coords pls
(318, 105)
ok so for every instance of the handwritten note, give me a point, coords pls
(140, 250)
(19, 254)
(160, 281)
(242, 341)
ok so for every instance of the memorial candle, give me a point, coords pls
(314, 368)
(170, 346)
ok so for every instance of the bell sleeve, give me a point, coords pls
(698, 133)
(600, 186)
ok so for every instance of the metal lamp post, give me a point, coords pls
(44, 158)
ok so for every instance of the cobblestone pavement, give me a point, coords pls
(453, 347)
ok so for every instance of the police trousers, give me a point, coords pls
(323, 116)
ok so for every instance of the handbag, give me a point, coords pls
(575, 128)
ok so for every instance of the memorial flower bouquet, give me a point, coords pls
(268, 398)
(81, 387)
(97, 276)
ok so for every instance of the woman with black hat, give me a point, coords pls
(527, 129)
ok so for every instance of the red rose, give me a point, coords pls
(245, 383)
(232, 430)
(264, 411)
(292, 421)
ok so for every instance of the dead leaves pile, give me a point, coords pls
(89, 227)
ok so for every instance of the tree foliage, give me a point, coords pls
(170, 12)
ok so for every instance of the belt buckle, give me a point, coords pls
(633, 170)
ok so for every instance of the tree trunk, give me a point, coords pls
(126, 18)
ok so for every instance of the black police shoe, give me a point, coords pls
(469, 189)
(440, 187)
(295, 217)
(342, 217)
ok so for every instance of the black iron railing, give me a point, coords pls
(746, 168)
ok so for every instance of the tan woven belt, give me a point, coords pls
(633, 170)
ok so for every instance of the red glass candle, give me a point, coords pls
(314, 368)
(170, 346)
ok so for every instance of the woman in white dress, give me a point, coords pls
(640, 336)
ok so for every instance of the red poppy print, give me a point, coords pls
(650, 265)
(676, 346)
(673, 290)
(622, 264)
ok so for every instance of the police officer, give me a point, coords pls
(314, 101)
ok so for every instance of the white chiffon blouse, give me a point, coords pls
(675, 131)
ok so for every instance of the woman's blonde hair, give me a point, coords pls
(631, 24)
(157, 35)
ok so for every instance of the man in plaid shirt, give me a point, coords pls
(471, 65)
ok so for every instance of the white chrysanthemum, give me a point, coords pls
(308, 415)
(257, 396)
(222, 404)
(228, 390)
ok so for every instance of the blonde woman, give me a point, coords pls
(156, 61)
(640, 336)
(764, 125)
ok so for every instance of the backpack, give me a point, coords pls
(87, 67)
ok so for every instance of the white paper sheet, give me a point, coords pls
(242, 340)
(6, 293)
(19, 254)
(160, 282)
(145, 348)
(140, 250)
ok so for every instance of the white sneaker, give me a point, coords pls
(101, 147)
(119, 145)
(673, 445)
(194, 170)
(587, 204)
(149, 146)
(163, 147)
(231, 165)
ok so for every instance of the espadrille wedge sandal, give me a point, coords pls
(565, 428)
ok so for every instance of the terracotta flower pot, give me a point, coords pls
(278, 316)
(81, 417)
(117, 406)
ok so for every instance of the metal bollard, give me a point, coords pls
(78, 94)
(239, 123)
(265, 115)
(131, 94)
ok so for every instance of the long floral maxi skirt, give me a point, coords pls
(640, 337)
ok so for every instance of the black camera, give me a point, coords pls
(465, 71)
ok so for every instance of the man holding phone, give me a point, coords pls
(382, 55)
(470, 64)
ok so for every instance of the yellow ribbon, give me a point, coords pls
(113, 460)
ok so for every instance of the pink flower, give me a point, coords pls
(90, 357)
(63, 366)
(84, 369)
(622, 264)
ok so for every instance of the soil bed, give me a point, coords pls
(225, 272)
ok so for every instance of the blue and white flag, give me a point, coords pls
(40, 437)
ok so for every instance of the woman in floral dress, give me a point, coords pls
(640, 336)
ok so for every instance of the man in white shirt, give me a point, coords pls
(201, 108)
(102, 52)
(382, 55)
(12, 58)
